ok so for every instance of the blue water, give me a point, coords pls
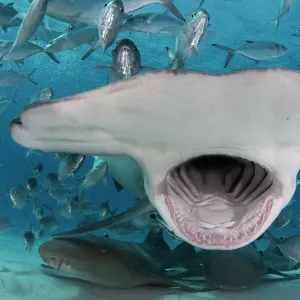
(232, 22)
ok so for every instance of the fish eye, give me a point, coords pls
(153, 216)
(105, 4)
(193, 15)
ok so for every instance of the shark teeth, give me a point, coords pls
(243, 233)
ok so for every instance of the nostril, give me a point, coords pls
(17, 121)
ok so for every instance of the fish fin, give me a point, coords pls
(257, 61)
(196, 51)
(4, 28)
(172, 29)
(49, 208)
(29, 77)
(106, 68)
(11, 4)
(142, 207)
(118, 186)
(249, 41)
(88, 53)
(230, 53)
(169, 5)
(171, 53)
(184, 250)
(273, 243)
(275, 272)
(14, 95)
(20, 61)
(201, 3)
(53, 57)
(156, 239)
(47, 267)
(210, 34)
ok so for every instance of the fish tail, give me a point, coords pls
(273, 243)
(29, 77)
(169, 5)
(53, 57)
(230, 53)
(14, 95)
(89, 52)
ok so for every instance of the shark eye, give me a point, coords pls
(193, 16)
(122, 9)
(153, 216)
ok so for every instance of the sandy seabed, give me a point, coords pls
(21, 277)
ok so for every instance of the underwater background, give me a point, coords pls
(232, 22)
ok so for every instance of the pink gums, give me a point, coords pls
(206, 237)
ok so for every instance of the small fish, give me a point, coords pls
(19, 196)
(9, 78)
(109, 23)
(43, 95)
(105, 211)
(153, 23)
(97, 173)
(49, 223)
(5, 224)
(4, 103)
(7, 14)
(37, 169)
(69, 165)
(29, 238)
(31, 21)
(61, 194)
(285, 218)
(32, 186)
(20, 53)
(284, 9)
(257, 51)
(52, 180)
(126, 61)
(191, 34)
(290, 247)
(37, 211)
(73, 38)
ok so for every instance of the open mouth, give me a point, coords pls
(220, 202)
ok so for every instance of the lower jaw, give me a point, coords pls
(221, 238)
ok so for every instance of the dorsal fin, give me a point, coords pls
(156, 239)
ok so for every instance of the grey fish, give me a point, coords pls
(37, 211)
(10, 78)
(43, 95)
(52, 180)
(73, 38)
(29, 238)
(106, 262)
(237, 270)
(188, 39)
(126, 61)
(4, 103)
(61, 194)
(37, 169)
(142, 206)
(31, 21)
(97, 173)
(49, 223)
(109, 23)
(19, 197)
(257, 51)
(153, 23)
(69, 165)
(284, 9)
(290, 247)
(104, 210)
(70, 11)
(18, 54)
(7, 13)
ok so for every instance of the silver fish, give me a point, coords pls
(126, 61)
(7, 13)
(9, 78)
(29, 238)
(4, 103)
(74, 12)
(284, 9)
(109, 23)
(49, 223)
(189, 38)
(257, 51)
(153, 23)
(69, 165)
(30, 23)
(18, 54)
(43, 95)
(19, 196)
(5, 224)
(73, 38)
